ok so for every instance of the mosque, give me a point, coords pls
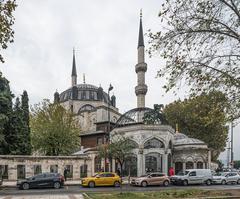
(157, 146)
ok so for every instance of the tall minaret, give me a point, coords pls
(74, 70)
(141, 68)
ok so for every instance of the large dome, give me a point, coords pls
(84, 92)
(141, 116)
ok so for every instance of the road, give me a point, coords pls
(11, 191)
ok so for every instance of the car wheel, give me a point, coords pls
(223, 182)
(56, 185)
(116, 184)
(144, 184)
(165, 183)
(238, 181)
(208, 182)
(25, 186)
(185, 182)
(91, 184)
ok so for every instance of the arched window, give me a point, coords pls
(189, 165)
(133, 144)
(86, 107)
(170, 144)
(153, 143)
(153, 162)
(199, 165)
(97, 164)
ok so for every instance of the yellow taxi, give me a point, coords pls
(102, 179)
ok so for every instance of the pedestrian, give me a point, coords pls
(171, 171)
(65, 173)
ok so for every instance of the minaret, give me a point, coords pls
(141, 68)
(74, 71)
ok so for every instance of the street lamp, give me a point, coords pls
(109, 89)
(108, 128)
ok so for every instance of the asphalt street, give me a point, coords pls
(11, 191)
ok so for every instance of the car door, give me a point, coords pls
(234, 177)
(100, 179)
(193, 179)
(109, 179)
(48, 180)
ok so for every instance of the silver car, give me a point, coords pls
(226, 178)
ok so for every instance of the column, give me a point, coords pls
(184, 166)
(140, 166)
(209, 159)
(194, 165)
(164, 163)
(113, 165)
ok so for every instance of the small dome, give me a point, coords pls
(83, 92)
(141, 116)
(182, 139)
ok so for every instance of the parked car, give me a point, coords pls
(220, 178)
(193, 176)
(1, 180)
(102, 179)
(54, 180)
(151, 179)
(232, 177)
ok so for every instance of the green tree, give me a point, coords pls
(236, 164)
(200, 42)
(54, 130)
(119, 149)
(201, 117)
(5, 111)
(25, 110)
(15, 138)
(6, 21)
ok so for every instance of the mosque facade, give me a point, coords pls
(157, 146)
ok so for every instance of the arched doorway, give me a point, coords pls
(130, 166)
(178, 167)
(97, 164)
(199, 165)
(153, 162)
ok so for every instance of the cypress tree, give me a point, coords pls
(15, 137)
(25, 110)
(5, 112)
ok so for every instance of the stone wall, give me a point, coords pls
(13, 163)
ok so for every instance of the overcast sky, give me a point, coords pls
(104, 34)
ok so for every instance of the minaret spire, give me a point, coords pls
(74, 70)
(141, 68)
(140, 35)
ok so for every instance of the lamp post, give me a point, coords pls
(232, 144)
(109, 89)
(108, 127)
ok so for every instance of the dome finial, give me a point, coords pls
(141, 13)
(84, 80)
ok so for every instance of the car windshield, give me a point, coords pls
(220, 174)
(181, 173)
(143, 176)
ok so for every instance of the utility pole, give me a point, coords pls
(232, 144)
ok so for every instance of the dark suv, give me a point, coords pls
(54, 180)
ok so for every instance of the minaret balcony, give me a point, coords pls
(141, 89)
(141, 67)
